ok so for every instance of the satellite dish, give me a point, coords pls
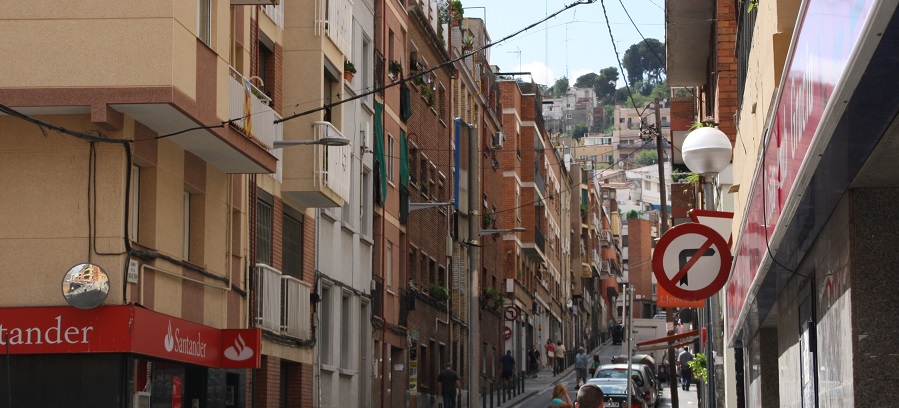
(85, 286)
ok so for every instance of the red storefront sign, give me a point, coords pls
(126, 329)
(820, 58)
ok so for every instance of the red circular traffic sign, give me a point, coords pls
(511, 313)
(507, 332)
(692, 261)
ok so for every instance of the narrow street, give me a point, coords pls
(687, 399)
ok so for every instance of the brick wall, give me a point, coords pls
(639, 260)
(683, 113)
(726, 64)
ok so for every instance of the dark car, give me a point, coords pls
(615, 395)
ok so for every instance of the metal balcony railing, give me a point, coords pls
(295, 321)
(252, 111)
(539, 239)
(276, 13)
(268, 298)
(334, 18)
(332, 163)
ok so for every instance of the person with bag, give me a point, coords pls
(551, 355)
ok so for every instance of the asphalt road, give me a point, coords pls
(687, 399)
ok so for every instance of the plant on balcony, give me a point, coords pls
(394, 69)
(427, 93)
(438, 292)
(488, 220)
(493, 299)
(468, 42)
(348, 70)
(753, 5)
(456, 11)
(584, 211)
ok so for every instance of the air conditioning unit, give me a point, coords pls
(496, 140)
(141, 400)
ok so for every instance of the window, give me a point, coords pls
(326, 321)
(263, 232)
(134, 208)
(391, 157)
(204, 20)
(388, 273)
(365, 210)
(346, 327)
(185, 227)
(364, 68)
(568, 117)
(292, 253)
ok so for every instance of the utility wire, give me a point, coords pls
(627, 86)
(421, 73)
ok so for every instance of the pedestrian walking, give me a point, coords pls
(448, 386)
(686, 373)
(551, 356)
(594, 365)
(508, 364)
(580, 367)
(560, 397)
(533, 358)
(560, 356)
(589, 396)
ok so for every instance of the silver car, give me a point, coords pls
(645, 384)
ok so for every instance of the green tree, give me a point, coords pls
(560, 87)
(604, 84)
(586, 80)
(646, 158)
(579, 130)
(645, 61)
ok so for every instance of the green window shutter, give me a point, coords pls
(380, 162)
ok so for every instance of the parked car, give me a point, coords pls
(615, 394)
(645, 383)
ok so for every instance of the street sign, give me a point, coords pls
(665, 299)
(511, 313)
(691, 261)
(507, 332)
(720, 221)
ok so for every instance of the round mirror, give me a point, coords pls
(85, 286)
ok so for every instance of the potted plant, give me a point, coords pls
(348, 70)
(427, 93)
(456, 12)
(438, 292)
(395, 69)
(488, 220)
(468, 42)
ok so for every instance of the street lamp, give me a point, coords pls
(325, 141)
(422, 206)
(707, 151)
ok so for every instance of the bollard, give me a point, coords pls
(521, 385)
(483, 396)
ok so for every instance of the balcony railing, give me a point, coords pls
(282, 303)
(539, 239)
(268, 298)
(332, 163)
(295, 320)
(538, 179)
(334, 18)
(252, 111)
(276, 13)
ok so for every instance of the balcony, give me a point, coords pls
(275, 13)
(687, 30)
(334, 18)
(318, 176)
(252, 109)
(605, 236)
(537, 248)
(282, 303)
(605, 270)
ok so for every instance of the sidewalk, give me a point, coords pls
(545, 381)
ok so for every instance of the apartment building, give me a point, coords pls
(627, 131)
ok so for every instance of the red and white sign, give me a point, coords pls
(720, 221)
(825, 48)
(507, 332)
(511, 313)
(691, 261)
(665, 299)
(126, 329)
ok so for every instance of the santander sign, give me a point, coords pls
(54, 334)
(126, 329)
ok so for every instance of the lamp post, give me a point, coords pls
(707, 151)
(325, 141)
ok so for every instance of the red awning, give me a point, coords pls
(666, 342)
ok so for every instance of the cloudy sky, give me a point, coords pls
(571, 44)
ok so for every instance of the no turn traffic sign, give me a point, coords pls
(691, 261)
(507, 332)
(511, 313)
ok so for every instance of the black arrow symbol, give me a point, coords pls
(685, 255)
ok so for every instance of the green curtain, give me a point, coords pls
(380, 163)
(405, 102)
(404, 160)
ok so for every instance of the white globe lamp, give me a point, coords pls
(706, 151)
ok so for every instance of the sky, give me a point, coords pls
(571, 44)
